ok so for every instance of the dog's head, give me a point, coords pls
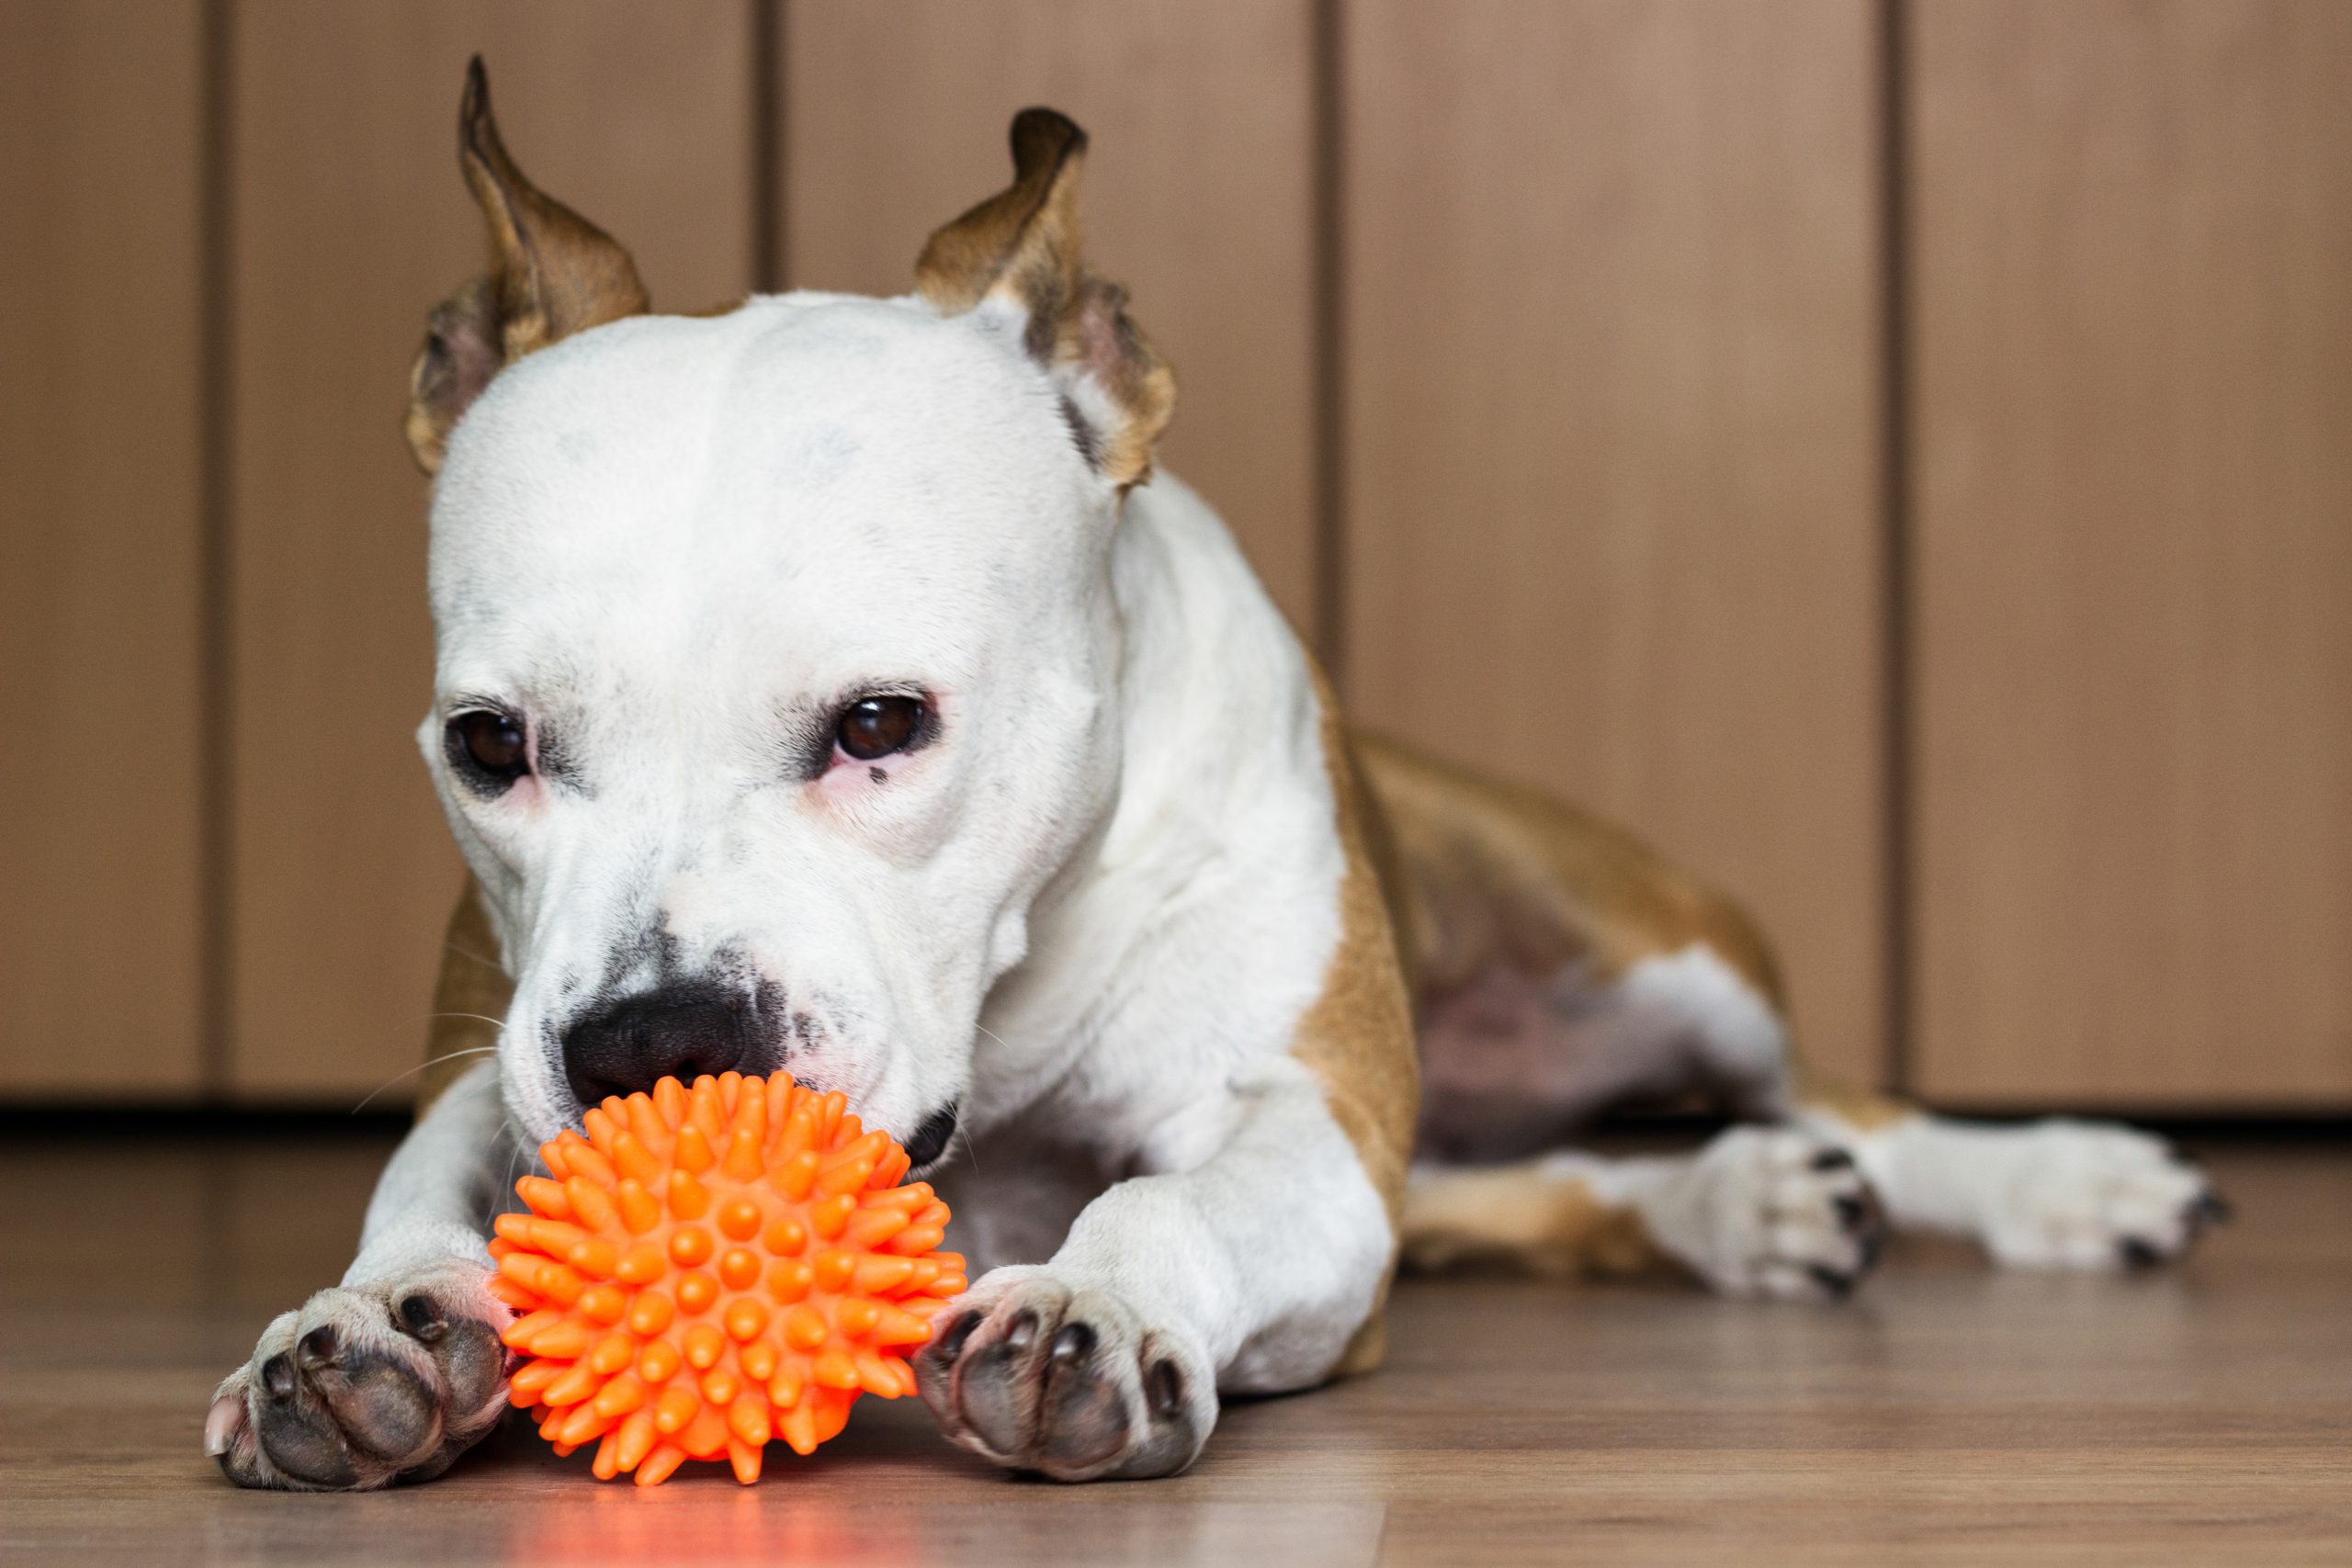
(777, 655)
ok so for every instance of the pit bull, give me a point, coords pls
(832, 683)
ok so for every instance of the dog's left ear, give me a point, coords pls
(1018, 251)
(552, 272)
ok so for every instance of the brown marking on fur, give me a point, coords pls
(1023, 245)
(1499, 876)
(1358, 1037)
(1863, 1110)
(552, 273)
(1549, 1223)
(472, 993)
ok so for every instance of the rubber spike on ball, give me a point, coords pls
(713, 1266)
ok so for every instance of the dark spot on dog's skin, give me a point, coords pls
(1838, 1285)
(2139, 1254)
(930, 1139)
(1832, 1159)
(1853, 1211)
(1089, 445)
(878, 775)
(556, 760)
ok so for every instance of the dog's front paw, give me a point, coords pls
(2089, 1195)
(366, 1385)
(1066, 1380)
(1768, 1212)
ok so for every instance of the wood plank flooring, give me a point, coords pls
(1949, 1415)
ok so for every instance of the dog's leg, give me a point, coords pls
(393, 1373)
(1249, 1271)
(2048, 1194)
(1759, 1211)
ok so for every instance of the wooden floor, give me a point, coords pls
(1948, 1415)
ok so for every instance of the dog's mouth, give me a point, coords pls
(930, 1141)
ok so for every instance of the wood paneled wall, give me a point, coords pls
(102, 524)
(1890, 452)
(2133, 254)
(1611, 454)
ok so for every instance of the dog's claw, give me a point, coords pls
(316, 1349)
(423, 1317)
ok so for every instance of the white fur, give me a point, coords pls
(2053, 1194)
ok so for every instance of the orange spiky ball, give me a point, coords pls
(714, 1266)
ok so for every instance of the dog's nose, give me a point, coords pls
(684, 1029)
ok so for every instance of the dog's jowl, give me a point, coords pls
(834, 685)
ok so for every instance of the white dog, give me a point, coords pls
(828, 684)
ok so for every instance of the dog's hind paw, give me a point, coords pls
(366, 1385)
(1765, 1211)
(2086, 1195)
(1066, 1381)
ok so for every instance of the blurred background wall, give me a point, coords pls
(1896, 454)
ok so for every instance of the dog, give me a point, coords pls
(829, 683)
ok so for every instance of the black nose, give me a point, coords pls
(684, 1029)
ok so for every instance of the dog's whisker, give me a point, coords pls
(430, 1017)
(474, 957)
(445, 1057)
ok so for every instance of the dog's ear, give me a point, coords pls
(552, 272)
(1019, 251)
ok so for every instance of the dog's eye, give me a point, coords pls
(875, 726)
(490, 745)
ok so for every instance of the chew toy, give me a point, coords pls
(714, 1266)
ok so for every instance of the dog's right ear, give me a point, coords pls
(552, 272)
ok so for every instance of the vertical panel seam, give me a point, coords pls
(1328, 464)
(767, 146)
(216, 950)
(1897, 631)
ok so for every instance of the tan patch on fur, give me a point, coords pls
(472, 995)
(1023, 245)
(1499, 876)
(1864, 1111)
(1518, 1215)
(1358, 1037)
